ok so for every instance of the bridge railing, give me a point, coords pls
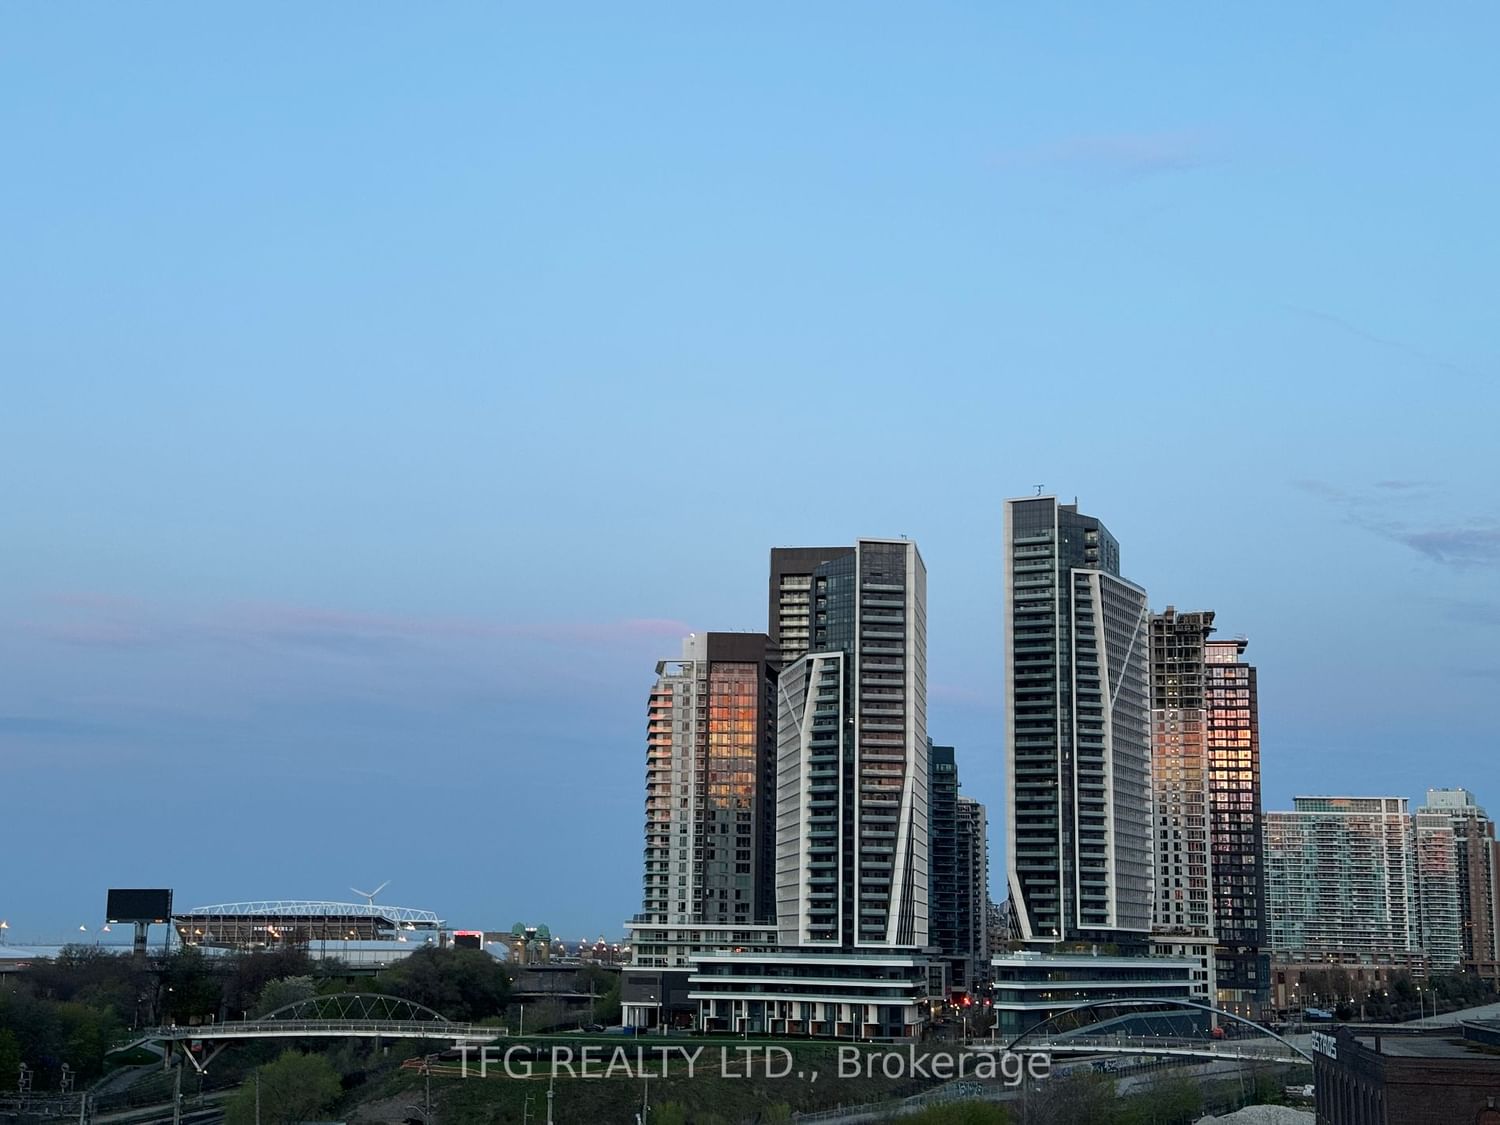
(1222, 1047)
(406, 1029)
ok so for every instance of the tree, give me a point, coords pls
(10, 1059)
(462, 984)
(607, 1007)
(189, 989)
(1168, 1100)
(962, 1113)
(604, 987)
(296, 1087)
(48, 1033)
(1078, 1099)
(90, 975)
(545, 1014)
(90, 1032)
(249, 973)
(280, 993)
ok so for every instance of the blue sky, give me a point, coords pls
(386, 389)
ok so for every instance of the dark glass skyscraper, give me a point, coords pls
(942, 858)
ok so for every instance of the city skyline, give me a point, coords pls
(371, 393)
(64, 929)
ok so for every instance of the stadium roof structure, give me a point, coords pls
(302, 908)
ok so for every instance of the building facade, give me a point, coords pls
(1179, 773)
(973, 938)
(1236, 825)
(851, 761)
(1478, 861)
(1386, 1075)
(1205, 742)
(868, 995)
(942, 862)
(1439, 923)
(709, 832)
(1031, 988)
(1340, 880)
(1077, 731)
(958, 880)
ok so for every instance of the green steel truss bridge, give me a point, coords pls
(341, 1016)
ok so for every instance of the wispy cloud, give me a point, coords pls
(1461, 546)
(121, 672)
(1405, 485)
(1387, 343)
(100, 623)
(1124, 155)
(1477, 673)
(1471, 612)
(294, 623)
(1386, 508)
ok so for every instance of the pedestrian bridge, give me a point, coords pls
(342, 1016)
(1160, 1027)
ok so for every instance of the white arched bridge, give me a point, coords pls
(341, 1016)
(1158, 1027)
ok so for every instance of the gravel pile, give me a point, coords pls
(1263, 1115)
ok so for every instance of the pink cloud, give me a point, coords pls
(291, 621)
(1120, 154)
(98, 620)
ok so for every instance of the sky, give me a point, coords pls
(384, 389)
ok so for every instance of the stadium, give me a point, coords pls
(356, 933)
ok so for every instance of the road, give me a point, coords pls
(1487, 1012)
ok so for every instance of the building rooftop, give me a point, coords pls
(1403, 1044)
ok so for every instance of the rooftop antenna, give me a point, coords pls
(1038, 490)
(369, 896)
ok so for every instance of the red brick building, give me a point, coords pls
(1408, 1076)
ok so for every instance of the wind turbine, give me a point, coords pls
(369, 896)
